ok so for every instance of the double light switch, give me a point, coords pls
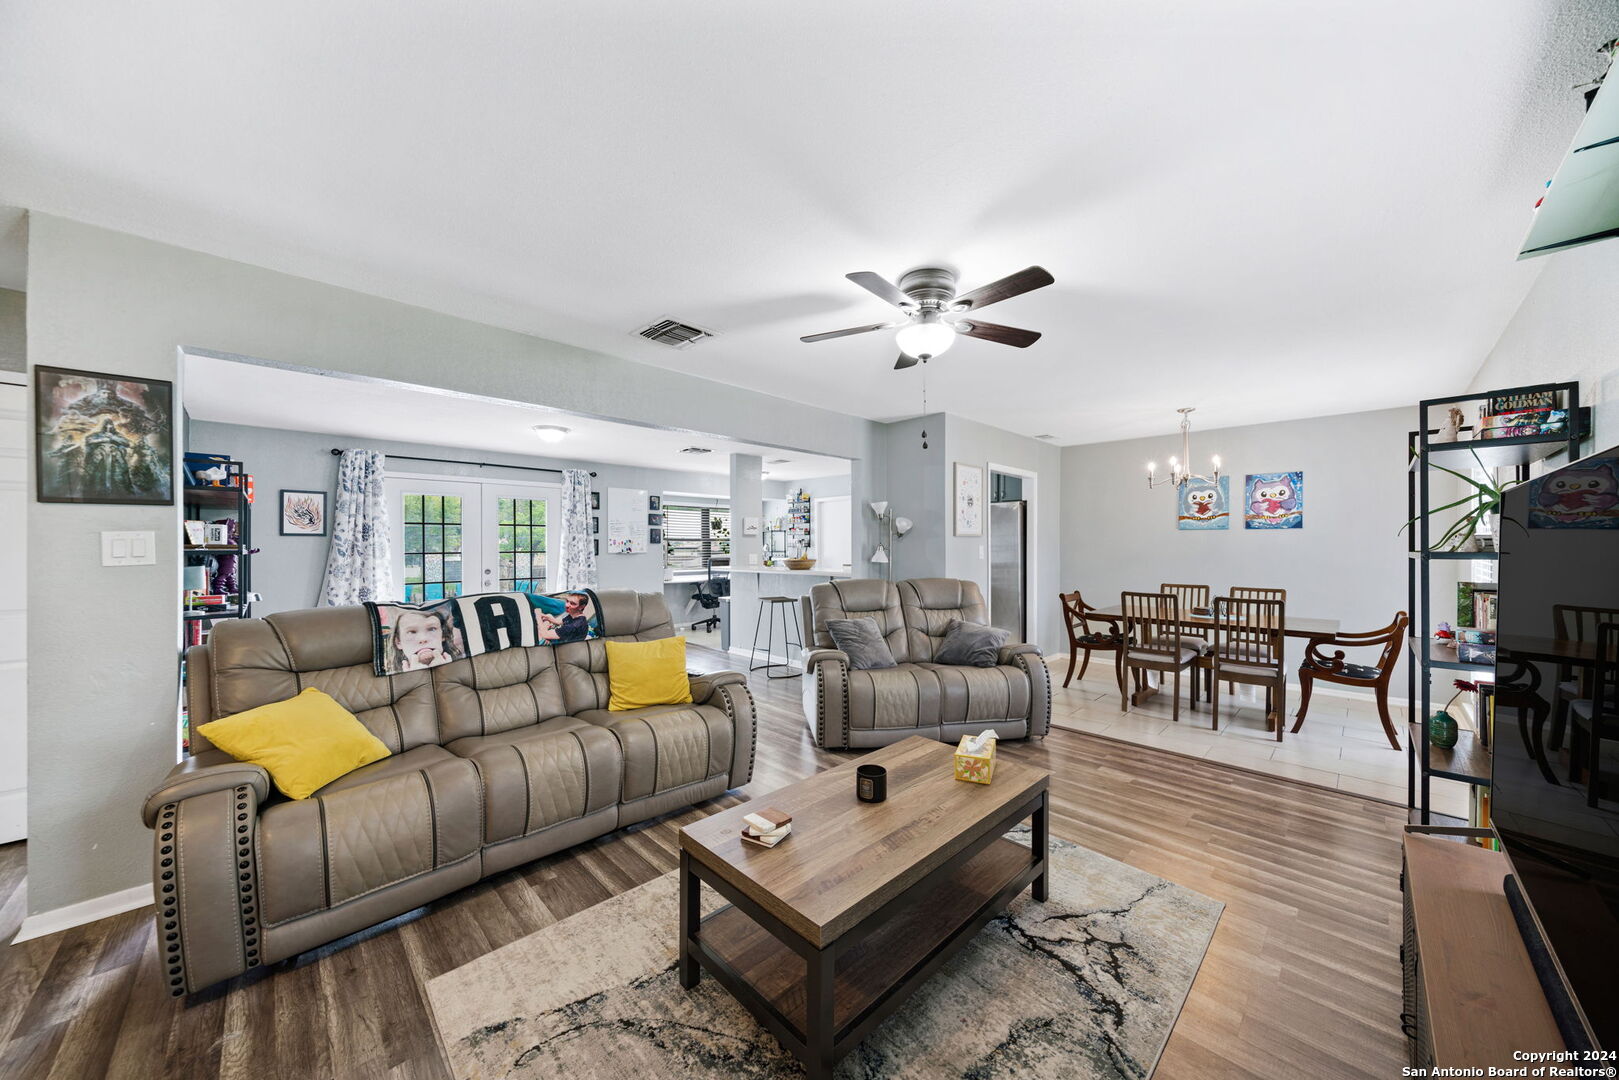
(128, 549)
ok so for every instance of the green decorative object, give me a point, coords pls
(1442, 730)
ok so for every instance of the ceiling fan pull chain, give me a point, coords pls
(924, 402)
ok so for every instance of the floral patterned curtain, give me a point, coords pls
(360, 564)
(578, 546)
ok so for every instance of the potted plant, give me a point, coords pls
(1484, 499)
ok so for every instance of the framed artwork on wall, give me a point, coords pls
(595, 525)
(303, 513)
(595, 500)
(103, 438)
(1274, 501)
(654, 521)
(1204, 505)
(969, 488)
(654, 502)
(655, 536)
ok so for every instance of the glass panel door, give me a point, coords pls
(522, 544)
(436, 528)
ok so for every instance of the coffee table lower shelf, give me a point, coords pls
(871, 969)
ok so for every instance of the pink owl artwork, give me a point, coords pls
(1274, 501)
(1580, 496)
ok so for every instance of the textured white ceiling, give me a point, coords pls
(1258, 207)
(261, 396)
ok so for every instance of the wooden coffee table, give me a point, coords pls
(830, 930)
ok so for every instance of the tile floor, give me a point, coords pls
(1341, 745)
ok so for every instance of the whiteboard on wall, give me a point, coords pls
(626, 521)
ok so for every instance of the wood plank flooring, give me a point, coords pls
(1302, 977)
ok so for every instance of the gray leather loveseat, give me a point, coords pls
(850, 708)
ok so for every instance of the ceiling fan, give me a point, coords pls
(928, 294)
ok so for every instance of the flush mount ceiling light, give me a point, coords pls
(926, 295)
(550, 432)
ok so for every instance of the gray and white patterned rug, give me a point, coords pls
(1086, 985)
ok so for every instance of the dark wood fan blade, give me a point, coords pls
(881, 287)
(1001, 335)
(846, 333)
(904, 362)
(1035, 277)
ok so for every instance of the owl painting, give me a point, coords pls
(1206, 506)
(1582, 496)
(1274, 501)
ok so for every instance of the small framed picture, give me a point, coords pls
(595, 525)
(303, 513)
(596, 547)
(215, 535)
(655, 536)
(595, 500)
(654, 502)
(655, 521)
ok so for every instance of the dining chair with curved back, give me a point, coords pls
(1249, 649)
(1577, 624)
(1596, 718)
(1375, 677)
(1078, 618)
(1153, 642)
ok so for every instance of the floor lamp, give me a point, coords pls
(892, 528)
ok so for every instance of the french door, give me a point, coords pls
(452, 537)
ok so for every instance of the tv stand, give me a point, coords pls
(1472, 997)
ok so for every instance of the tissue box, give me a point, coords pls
(975, 768)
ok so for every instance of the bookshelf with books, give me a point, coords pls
(1494, 437)
(216, 554)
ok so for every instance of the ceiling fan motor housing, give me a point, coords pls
(930, 286)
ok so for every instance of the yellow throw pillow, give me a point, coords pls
(304, 742)
(642, 673)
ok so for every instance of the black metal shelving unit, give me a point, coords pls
(1469, 760)
(206, 503)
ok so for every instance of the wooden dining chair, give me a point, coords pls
(1253, 592)
(1318, 665)
(1596, 718)
(1152, 642)
(1249, 649)
(1086, 631)
(1577, 624)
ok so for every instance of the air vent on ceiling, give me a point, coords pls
(675, 334)
(696, 450)
(1045, 436)
(778, 461)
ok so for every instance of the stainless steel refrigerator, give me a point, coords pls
(1008, 568)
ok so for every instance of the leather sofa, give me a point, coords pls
(858, 709)
(496, 760)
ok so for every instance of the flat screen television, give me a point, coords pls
(1555, 790)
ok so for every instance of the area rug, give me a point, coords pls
(1087, 984)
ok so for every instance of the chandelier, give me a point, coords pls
(1180, 468)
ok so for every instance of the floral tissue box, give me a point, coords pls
(975, 758)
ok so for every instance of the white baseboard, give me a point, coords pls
(13, 815)
(85, 911)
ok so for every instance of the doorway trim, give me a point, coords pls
(1031, 497)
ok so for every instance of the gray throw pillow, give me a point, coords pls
(862, 640)
(971, 644)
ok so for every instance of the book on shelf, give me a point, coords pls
(1506, 403)
(1468, 607)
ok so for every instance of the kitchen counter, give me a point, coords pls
(814, 571)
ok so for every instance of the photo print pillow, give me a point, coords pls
(414, 637)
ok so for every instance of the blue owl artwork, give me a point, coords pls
(1206, 506)
(1274, 501)
(1582, 496)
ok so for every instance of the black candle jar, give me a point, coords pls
(871, 783)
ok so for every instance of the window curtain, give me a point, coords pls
(359, 566)
(578, 546)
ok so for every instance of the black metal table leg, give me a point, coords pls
(820, 1029)
(1042, 844)
(690, 920)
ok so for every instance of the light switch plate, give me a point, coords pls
(129, 549)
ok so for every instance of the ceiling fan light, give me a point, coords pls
(928, 336)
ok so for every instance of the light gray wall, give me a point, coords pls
(916, 488)
(1567, 328)
(288, 569)
(102, 689)
(13, 330)
(1347, 563)
(972, 443)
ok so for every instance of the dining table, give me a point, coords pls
(1292, 625)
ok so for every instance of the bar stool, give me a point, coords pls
(775, 603)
